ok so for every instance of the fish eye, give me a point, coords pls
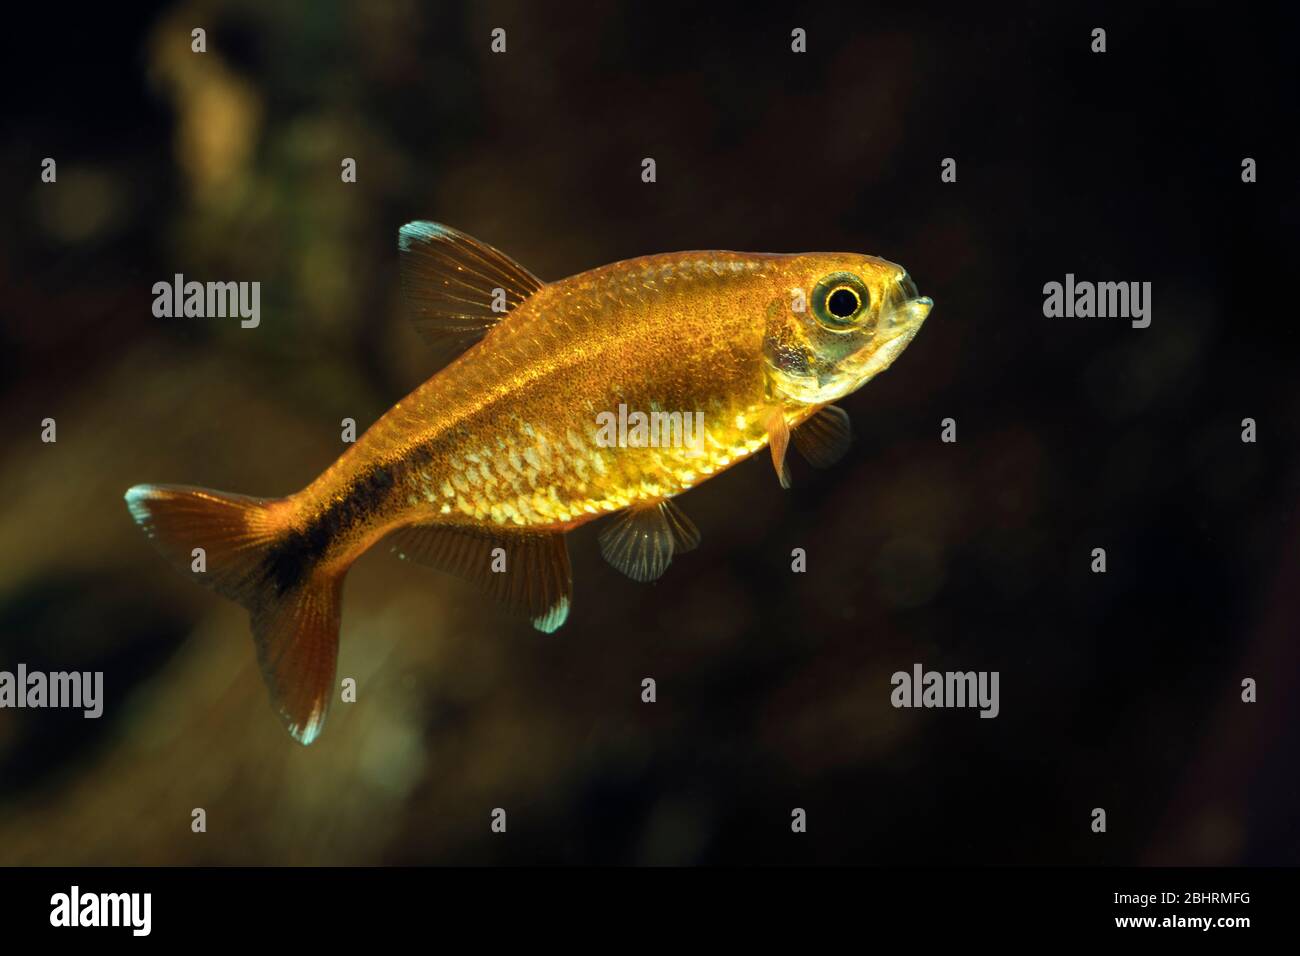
(840, 300)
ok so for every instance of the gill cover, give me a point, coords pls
(857, 315)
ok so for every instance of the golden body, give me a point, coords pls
(506, 435)
(502, 451)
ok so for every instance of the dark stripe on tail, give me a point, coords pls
(291, 560)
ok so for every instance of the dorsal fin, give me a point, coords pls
(456, 288)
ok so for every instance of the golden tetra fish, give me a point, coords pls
(607, 393)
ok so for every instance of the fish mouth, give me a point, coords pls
(909, 315)
(897, 326)
(903, 324)
(905, 312)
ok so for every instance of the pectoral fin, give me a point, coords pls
(824, 437)
(530, 574)
(778, 440)
(642, 540)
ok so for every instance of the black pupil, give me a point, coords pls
(842, 303)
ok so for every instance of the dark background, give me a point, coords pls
(1118, 691)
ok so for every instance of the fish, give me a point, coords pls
(512, 443)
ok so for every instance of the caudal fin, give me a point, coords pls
(295, 622)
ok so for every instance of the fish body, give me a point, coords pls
(524, 435)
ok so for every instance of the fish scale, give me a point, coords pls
(482, 469)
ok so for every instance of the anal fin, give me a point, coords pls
(642, 540)
(531, 575)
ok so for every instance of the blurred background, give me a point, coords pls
(1119, 691)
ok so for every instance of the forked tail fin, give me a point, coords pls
(295, 623)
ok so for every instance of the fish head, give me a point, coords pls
(841, 320)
